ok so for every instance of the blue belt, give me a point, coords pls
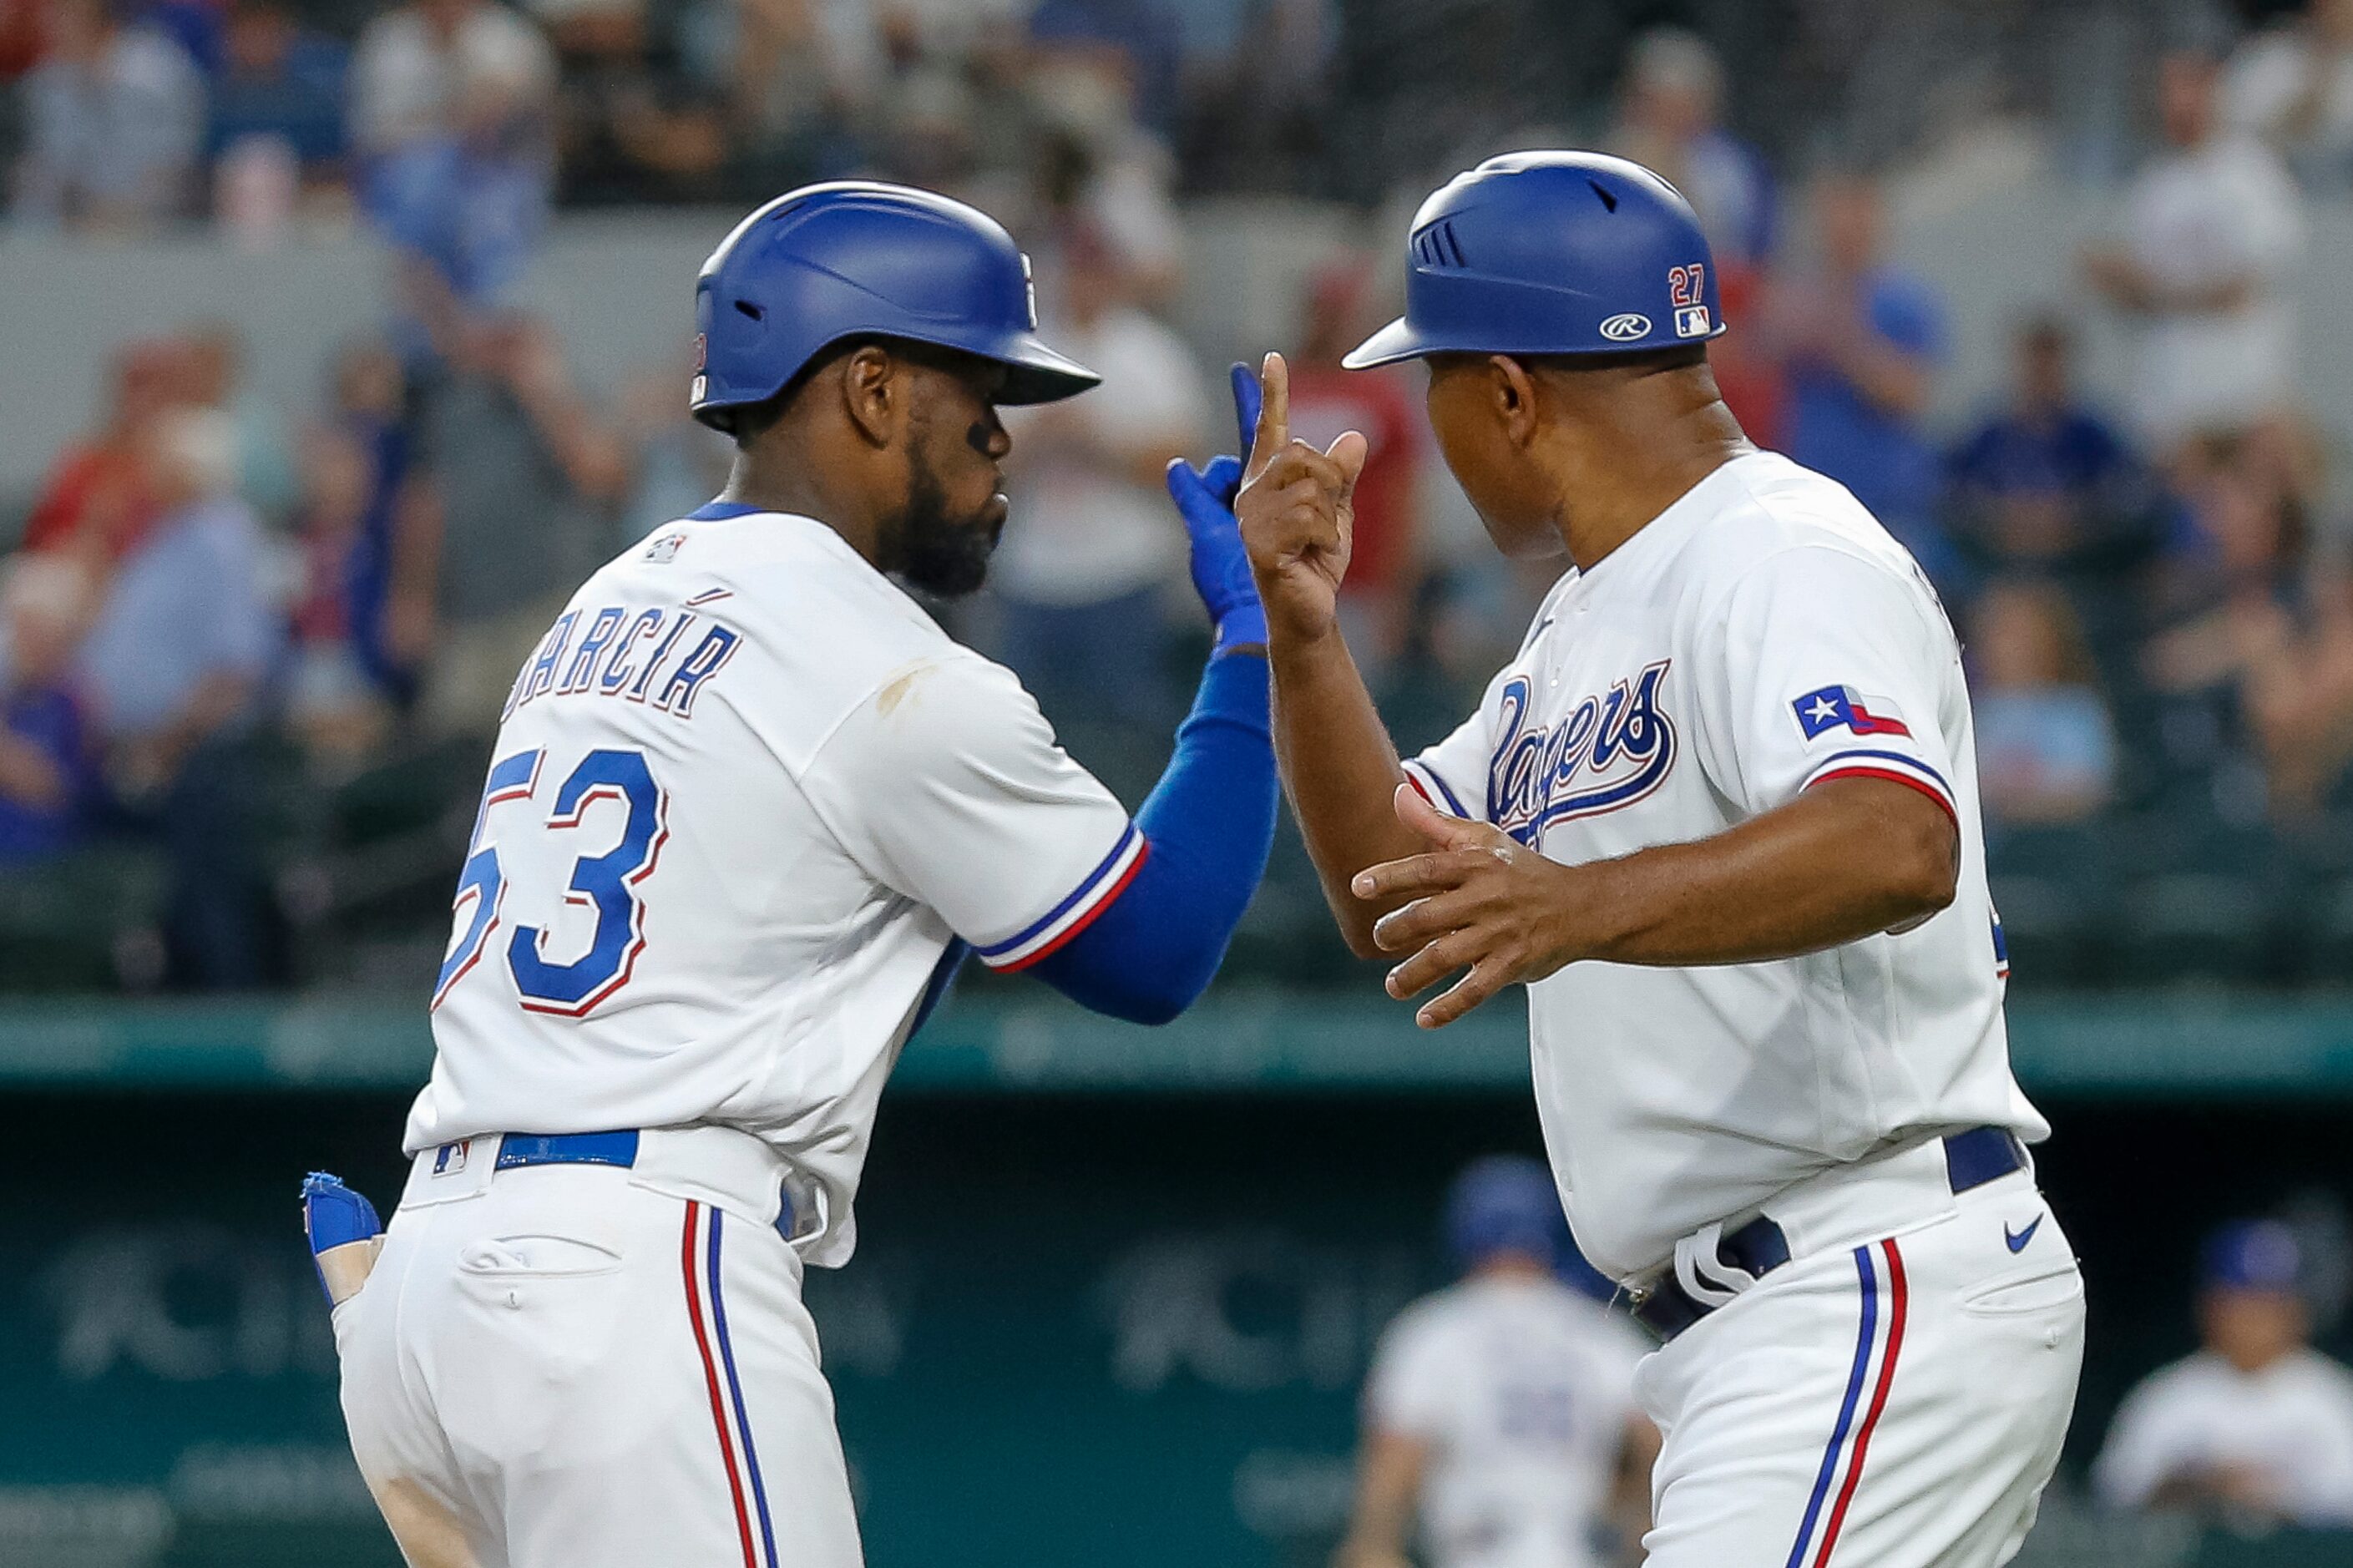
(517, 1150)
(1972, 1159)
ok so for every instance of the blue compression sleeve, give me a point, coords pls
(1209, 823)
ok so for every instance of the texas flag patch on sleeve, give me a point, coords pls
(1836, 706)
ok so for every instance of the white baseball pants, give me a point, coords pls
(1892, 1397)
(582, 1367)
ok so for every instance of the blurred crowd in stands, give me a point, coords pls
(224, 630)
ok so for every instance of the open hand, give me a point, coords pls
(1481, 901)
(1296, 509)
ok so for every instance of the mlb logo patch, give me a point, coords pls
(450, 1158)
(665, 547)
(1842, 707)
(1691, 321)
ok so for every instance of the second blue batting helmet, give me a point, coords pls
(852, 259)
(1552, 253)
(1504, 1202)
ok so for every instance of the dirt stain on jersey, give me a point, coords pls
(896, 691)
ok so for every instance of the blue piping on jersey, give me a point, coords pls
(1152, 950)
(721, 511)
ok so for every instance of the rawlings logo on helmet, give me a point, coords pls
(1626, 327)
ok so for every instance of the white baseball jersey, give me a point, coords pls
(747, 800)
(2291, 1424)
(1762, 636)
(1522, 1389)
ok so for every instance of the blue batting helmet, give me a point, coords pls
(2252, 1255)
(1552, 253)
(854, 259)
(1504, 1202)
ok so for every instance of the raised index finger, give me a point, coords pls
(1273, 416)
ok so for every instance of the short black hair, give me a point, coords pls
(747, 422)
(1679, 356)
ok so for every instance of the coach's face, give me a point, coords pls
(954, 506)
(1483, 410)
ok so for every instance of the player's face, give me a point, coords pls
(1472, 411)
(2252, 1328)
(956, 507)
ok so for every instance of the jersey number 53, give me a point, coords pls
(605, 882)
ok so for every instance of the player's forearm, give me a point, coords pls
(1340, 769)
(1846, 860)
(1388, 1482)
(1208, 827)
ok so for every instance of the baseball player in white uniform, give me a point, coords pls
(2257, 1425)
(1500, 1410)
(1720, 817)
(748, 809)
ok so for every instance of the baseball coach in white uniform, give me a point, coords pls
(748, 809)
(1720, 816)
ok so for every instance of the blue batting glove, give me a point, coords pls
(343, 1227)
(1221, 572)
(1246, 402)
(1205, 498)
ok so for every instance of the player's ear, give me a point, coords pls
(873, 387)
(1514, 393)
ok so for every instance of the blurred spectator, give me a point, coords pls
(172, 665)
(1746, 363)
(1667, 120)
(936, 114)
(1384, 559)
(1097, 173)
(281, 83)
(1091, 541)
(22, 36)
(1260, 110)
(526, 476)
(216, 379)
(2045, 480)
(333, 702)
(2257, 1425)
(2292, 85)
(2299, 692)
(2213, 229)
(95, 501)
(450, 113)
(781, 85)
(629, 124)
(390, 577)
(680, 461)
(2261, 635)
(198, 26)
(2045, 749)
(45, 751)
(113, 121)
(1135, 42)
(1500, 1413)
(1864, 341)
